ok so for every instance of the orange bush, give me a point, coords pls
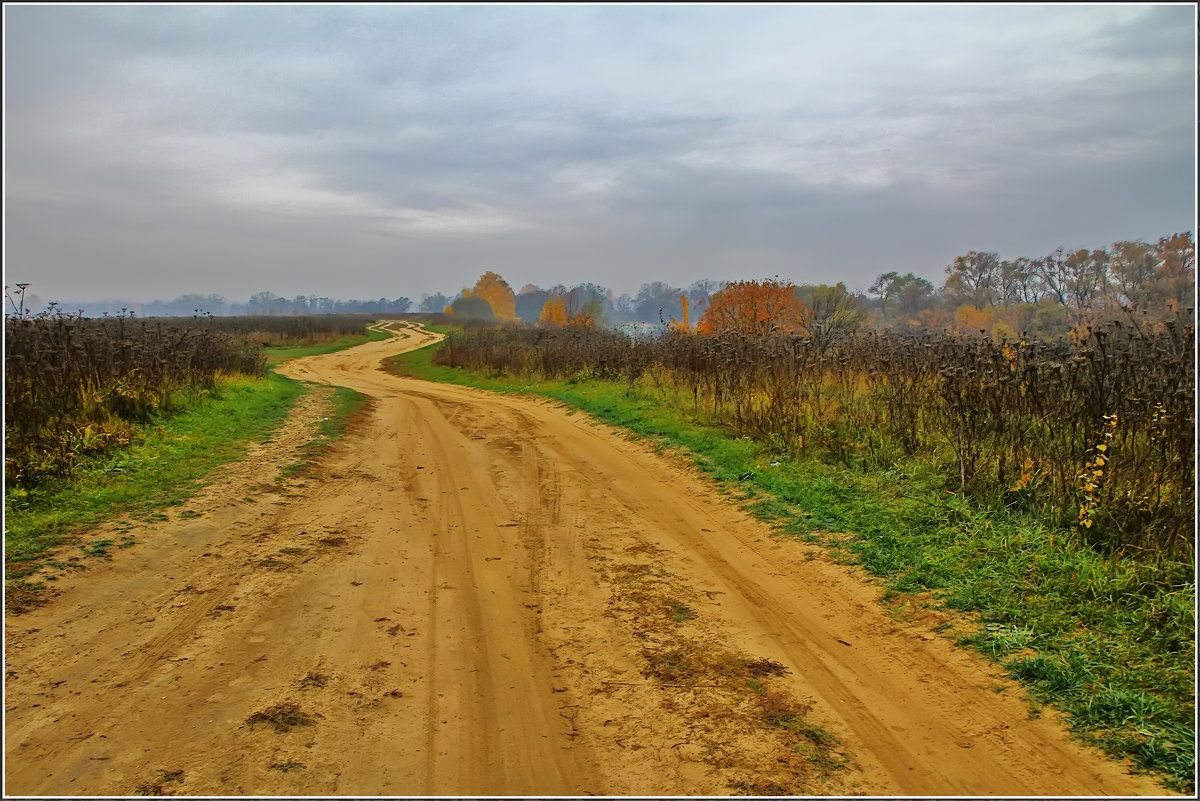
(755, 309)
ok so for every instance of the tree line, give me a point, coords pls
(1047, 296)
(260, 304)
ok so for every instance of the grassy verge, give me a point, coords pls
(163, 466)
(277, 354)
(1109, 641)
(347, 407)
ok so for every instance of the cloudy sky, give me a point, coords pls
(368, 151)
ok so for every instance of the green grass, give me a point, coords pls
(277, 354)
(1108, 640)
(166, 462)
(161, 467)
(347, 406)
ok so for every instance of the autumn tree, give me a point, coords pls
(581, 319)
(1088, 271)
(558, 314)
(1019, 282)
(499, 295)
(1075, 279)
(1050, 319)
(1176, 274)
(554, 313)
(970, 319)
(882, 288)
(974, 278)
(755, 309)
(1131, 271)
(1055, 275)
(683, 324)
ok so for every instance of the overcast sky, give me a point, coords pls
(368, 151)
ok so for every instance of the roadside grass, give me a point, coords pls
(164, 464)
(162, 467)
(277, 354)
(1108, 640)
(347, 408)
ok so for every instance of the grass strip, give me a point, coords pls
(277, 354)
(161, 467)
(1110, 641)
(347, 407)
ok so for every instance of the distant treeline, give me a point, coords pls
(259, 304)
(1047, 295)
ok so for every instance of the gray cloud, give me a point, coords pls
(386, 150)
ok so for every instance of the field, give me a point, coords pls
(492, 594)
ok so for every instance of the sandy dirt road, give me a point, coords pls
(484, 595)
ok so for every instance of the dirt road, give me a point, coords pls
(484, 595)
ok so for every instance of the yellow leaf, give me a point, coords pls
(1102, 448)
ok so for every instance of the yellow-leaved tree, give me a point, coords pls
(499, 295)
(554, 313)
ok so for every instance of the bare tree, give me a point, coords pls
(1020, 282)
(975, 279)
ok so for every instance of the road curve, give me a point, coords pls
(455, 603)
